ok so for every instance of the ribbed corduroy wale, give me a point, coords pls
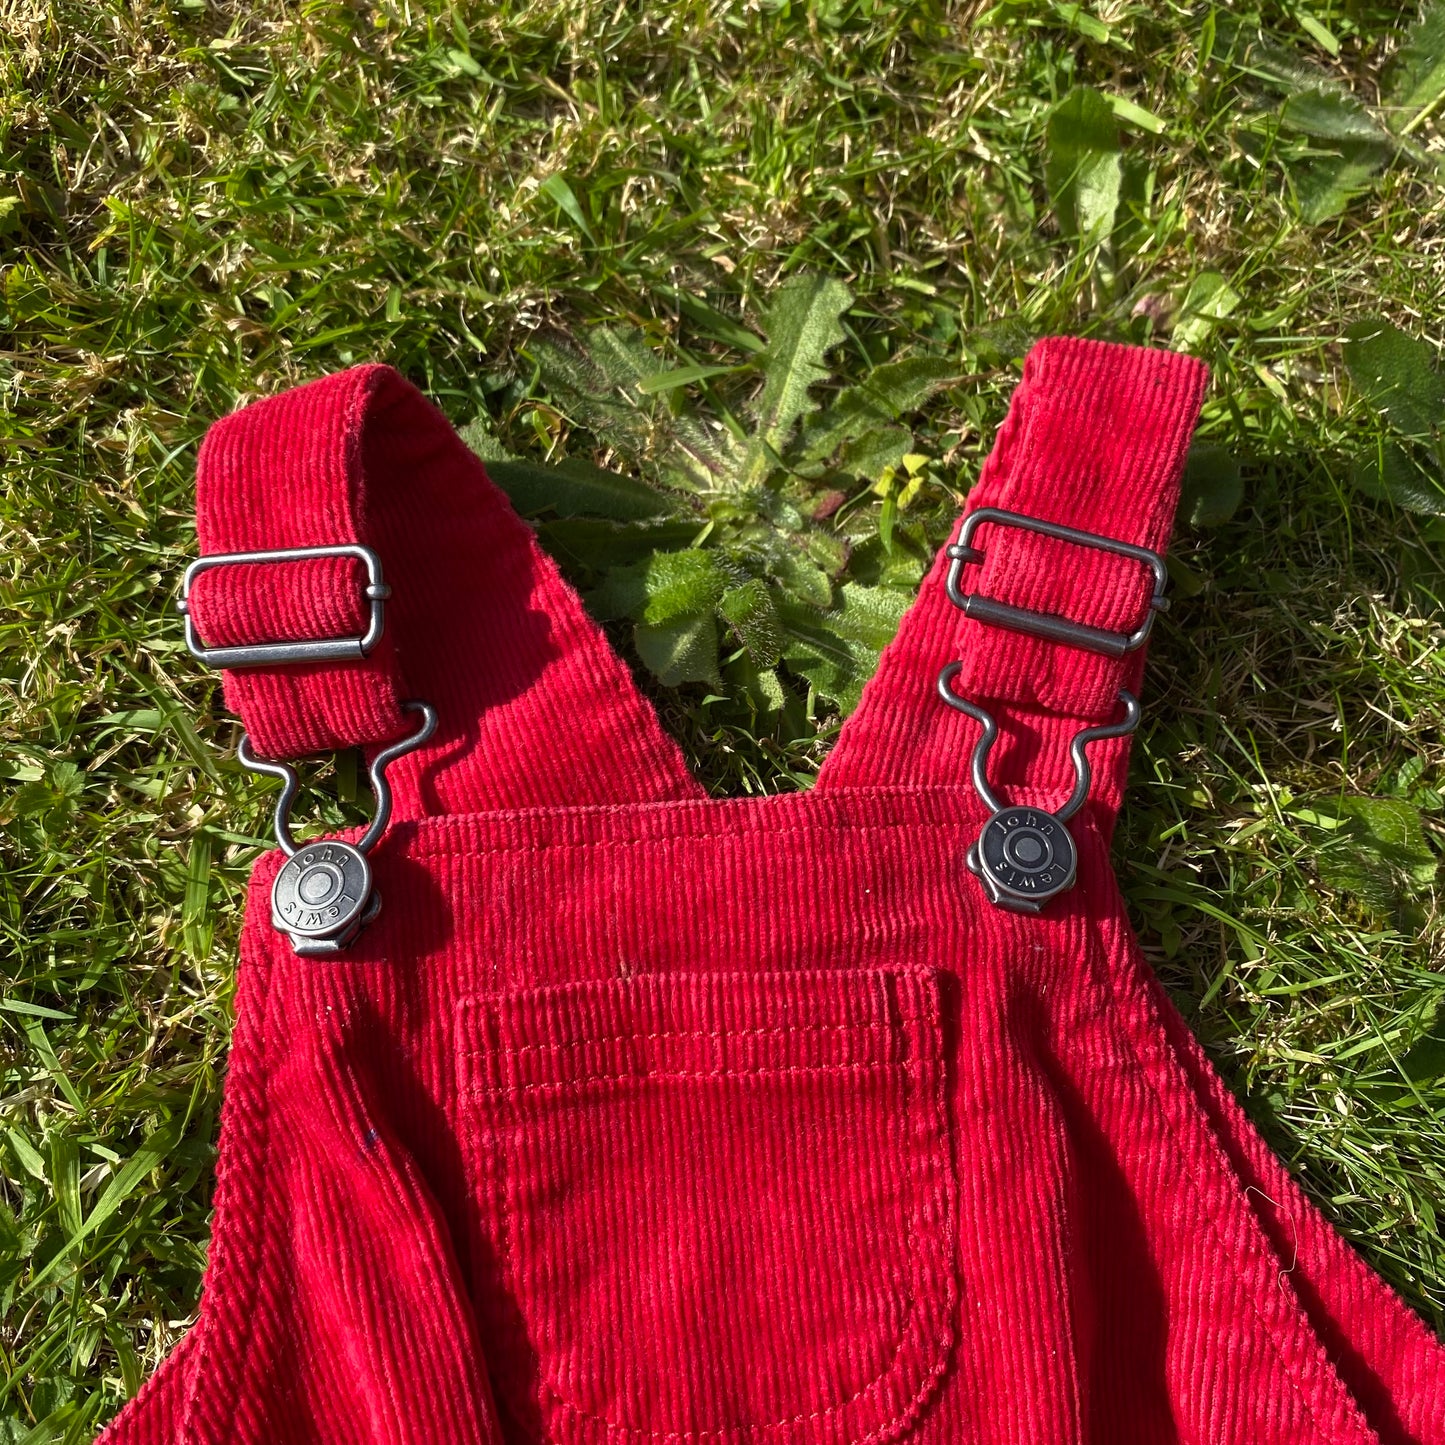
(643, 1118)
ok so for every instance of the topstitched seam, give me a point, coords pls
(724, 1072)
(534, 845)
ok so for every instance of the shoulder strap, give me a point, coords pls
(534, 707)
(1095, 440)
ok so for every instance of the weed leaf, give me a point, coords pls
(1213, 486)
(1331, 115)
(666, 587)
(888, 392)
(678, 652)
(749, 610)
(1084, 170)
(1390, 473)
(802, 326)
(838, 651)
(1395, 373)
(1209, 299)
(1380, 854)
(1414, 80)
(1324, 184)
(574, 488)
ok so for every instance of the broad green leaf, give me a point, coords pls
(1390, 473)
(1424, 1061)
(838, 651)
(828, 551)
(873, 453)
(1084, 169)
(1331, 115)
(621, 355)
(802, 326)
(887, 393)
(1004, 341)
(602, 385)
(1381, 855)
(698, 459)
(574, 488)
(1213, 486)
(806, 581)
(749, 611)
(555, 187)
(664, 588)
(760, 685)
(595, 544)
(1210, 298)
(1286, 70)
(1414, 80)
(679, 652)
(584, 384)
(479, 436)
(1396, 375)
(1325, 184)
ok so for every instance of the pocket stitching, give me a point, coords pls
(731, 1071)
(870, 1026)
(930, 1160)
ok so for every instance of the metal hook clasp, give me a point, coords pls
(1026, 856)
(323, 896)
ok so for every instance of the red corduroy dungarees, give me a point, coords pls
(639, 1117)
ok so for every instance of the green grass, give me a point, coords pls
(202, 203)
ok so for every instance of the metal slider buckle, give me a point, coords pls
(1050, 625)
(1026, 856)
(271, 654)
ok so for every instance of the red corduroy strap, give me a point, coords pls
(1095, 439)
(479, 623)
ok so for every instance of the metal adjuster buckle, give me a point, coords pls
(270, 654)
(1050, 625)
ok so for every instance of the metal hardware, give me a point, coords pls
(1047, 624)
(1026, 856)
(273, 654)
(323, 896)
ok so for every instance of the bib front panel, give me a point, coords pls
(640, 1117)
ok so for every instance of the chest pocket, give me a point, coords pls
(712, 1208)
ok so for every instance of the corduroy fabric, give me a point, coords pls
(643, 1118)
